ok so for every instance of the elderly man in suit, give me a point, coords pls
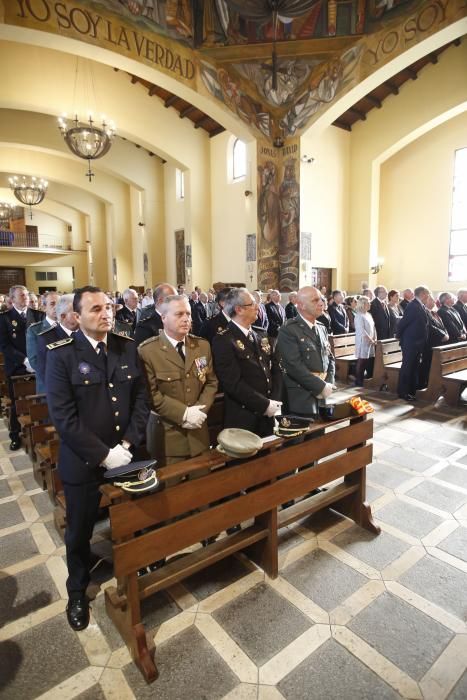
(99, 406)
(128, 316)
(291, 307)
(261, 323)
(217, 323)
(305, 356)
(380, 312)
(13, 326)
(338, 314)
(407, 297)
(248, 371)
(35, 329)
(67, 323)
(150, 323)
(451, 318)
(182, 384)
(461, 305)
(413, 331)
(276, 315)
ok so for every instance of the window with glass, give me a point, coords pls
(239, 160)
(180, 184)
(458, 238)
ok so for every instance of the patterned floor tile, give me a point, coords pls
(5, 489)
(261, 622)
(25, 593)
(16, 547)
(438, 496)
(10, 514)
(439, 583)
(409, 459)
(459, 692)
(216, 577)
(454, 475)
(456, 543)
(386, 475)
(408, 518)
(376, 550)
(408, 637)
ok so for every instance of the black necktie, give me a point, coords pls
(179, 348)
(315, 335)
(102, 354)
(251, 337)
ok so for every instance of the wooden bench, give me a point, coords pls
(343, 349)
(388, 361)
(448, 374)
(156, 526)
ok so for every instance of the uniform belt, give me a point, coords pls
(321, 375)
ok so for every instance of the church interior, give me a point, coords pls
(276, 151)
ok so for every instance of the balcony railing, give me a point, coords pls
(31, 239)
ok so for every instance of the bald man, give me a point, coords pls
(305, 355)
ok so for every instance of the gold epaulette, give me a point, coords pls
(224, 330)
(59, 343)
(148, 340)
(122, 335)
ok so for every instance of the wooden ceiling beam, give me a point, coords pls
(187, 111)
(392, 87)
(152, 90)
(216, 132)
(202, 122)
(413, 73)
(358, 113)
(374, 101)
(433, 58)
(170, 101)
(342, 125)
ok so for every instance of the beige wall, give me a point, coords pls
(415, 209)
(62, 264)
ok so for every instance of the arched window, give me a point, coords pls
(238, 160)
(458, 238)
(179, 184)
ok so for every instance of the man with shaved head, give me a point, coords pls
(305, 355)
(150, 322)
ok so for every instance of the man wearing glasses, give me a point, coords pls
(246, 368)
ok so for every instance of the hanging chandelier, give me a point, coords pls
(87, 141)
(28, 191)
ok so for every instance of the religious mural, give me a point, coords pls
(173, 18)
(278, 216)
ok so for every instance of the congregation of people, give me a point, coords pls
(127, 372)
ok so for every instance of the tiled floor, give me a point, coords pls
(350, 617)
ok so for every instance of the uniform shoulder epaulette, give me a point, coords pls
(224, 330)
(122, 335)
(59, 343)
(148, 340)
(47, 330)
(36, 323)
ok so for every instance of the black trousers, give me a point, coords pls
(82, 505)
(14, 426)
(364, 365)
(409, 374)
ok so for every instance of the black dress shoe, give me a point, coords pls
(141, 572)
(156, 565)
(408, 397)
(15, 444)
(287, 504)
(234, 529)
(209, 540)
(77, 613)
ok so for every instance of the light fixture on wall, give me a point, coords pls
(248, 193)
(307, 159)
(5, 210)
(377, 267)
(84, 137)
(28, 191)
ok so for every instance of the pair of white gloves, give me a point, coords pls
(194, 417)
(118, 456)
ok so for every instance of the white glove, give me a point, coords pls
(27, 364)
(118, 457)
(273, 408)
(194, 417)
(327, 391)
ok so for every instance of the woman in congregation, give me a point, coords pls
(350, 304)
(365, 340)
(395, 312)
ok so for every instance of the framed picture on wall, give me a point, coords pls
(180, 255)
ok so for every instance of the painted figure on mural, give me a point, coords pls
(268, 203)
(289, 195)
(178, 15)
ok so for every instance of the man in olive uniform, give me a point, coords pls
(305, 355)
(182, 385)
(247, 370)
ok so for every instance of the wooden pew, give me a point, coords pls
(448, 374)
(44, 457)
(152, 527)
(388, 360)
(343, 349)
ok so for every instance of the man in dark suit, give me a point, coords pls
(291, 307)
(129, 314)
(413, 330)
(451, 318)
(261, 323)
(407, 297)
(461, 305)
(51, 300)
(246, 368)
(150, 323)
(338, 314)
(305, 355)
(198, 312)
(13, 326)
(437, 335)
(276, 315)
(380, 312)
(67, 323)
(217, 323)
(99, 407)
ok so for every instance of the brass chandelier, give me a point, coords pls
(87, 140)
(28, 191)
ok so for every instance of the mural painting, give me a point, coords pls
(278, 216)
(180, 260)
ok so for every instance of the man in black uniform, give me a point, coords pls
(217, 323)
(150, 323)
(13, 325)
(246, 368)
(99, 406)
(66, 324)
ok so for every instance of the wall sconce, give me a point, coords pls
(248, 193)
(307, 159)
(374, 269)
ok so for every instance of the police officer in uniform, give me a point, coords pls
(246, 368)
(98, 403)
(217, 323)
(13, 325)
(305, 355)
(150, 322)
(182, 385)
(67, 323)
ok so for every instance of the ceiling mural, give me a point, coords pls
(276, 70)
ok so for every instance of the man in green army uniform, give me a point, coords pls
(182, 385)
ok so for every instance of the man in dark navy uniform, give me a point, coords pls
(13, 325)
(66, 324)
(99, 406)
(246, 368)
(150, 323)
(217, 323)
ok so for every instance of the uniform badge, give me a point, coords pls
(240, 345)
(201, 367)
(265, 345)
(84, 368)
(219, 329)
(14, 323)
